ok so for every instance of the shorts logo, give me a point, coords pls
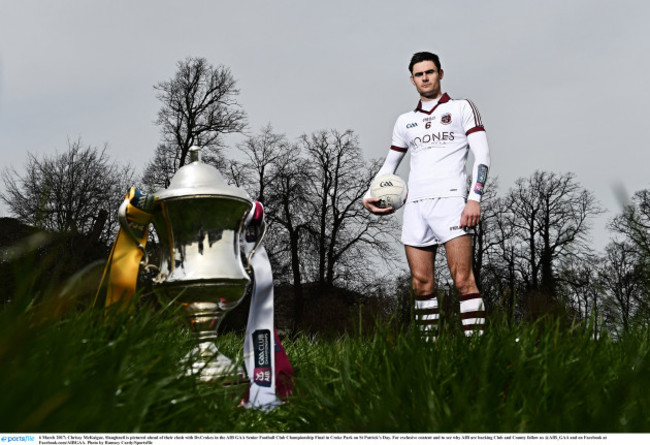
(445, 119)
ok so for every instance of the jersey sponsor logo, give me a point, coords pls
(445, 119)
(411, 125)
(440, 137)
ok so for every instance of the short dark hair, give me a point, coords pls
(421, 57)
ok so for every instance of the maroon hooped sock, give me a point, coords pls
(472, 313)
(427, 315)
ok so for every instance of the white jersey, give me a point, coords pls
(437, 135)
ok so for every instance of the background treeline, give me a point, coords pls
(334, 263)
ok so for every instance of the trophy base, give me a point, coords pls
(206, 363)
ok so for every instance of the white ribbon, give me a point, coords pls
(259, 344)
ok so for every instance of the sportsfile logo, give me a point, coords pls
(25, 438)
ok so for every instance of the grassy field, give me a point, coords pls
(63, 369)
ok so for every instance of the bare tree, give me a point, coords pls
(622, 280)
(527, 238)
(579, 284)
(505, 263)
(287, 200)
(160, 170)
(312, 190)
(237, 173)
(551, 215)
(76, 191)
(344, 235)
(633, 226)
(263, 153)
(497, 254)
(486, 238)
(274, 173)
(198, 108)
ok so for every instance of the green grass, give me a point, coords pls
(528, 379)
(64, 369)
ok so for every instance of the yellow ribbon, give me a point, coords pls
(128, 249)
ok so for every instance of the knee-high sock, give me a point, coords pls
(427, 315)
(472, 313)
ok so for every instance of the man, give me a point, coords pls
(439, 210)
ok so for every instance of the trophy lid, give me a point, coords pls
(199, 179)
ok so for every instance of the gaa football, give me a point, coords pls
(390, 189)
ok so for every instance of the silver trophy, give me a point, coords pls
(198, 220)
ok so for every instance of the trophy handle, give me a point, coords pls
(124, 224)
(256, 246)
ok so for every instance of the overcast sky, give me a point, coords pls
(561, 85)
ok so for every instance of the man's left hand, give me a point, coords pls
(471, 214)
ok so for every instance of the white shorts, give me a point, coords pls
(428, 222)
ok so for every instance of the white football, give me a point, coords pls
(390, 189)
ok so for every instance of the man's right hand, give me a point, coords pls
(371, 205)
